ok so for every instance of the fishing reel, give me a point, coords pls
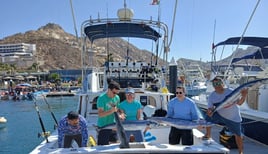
(44, 134)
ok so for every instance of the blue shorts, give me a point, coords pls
(234, 127)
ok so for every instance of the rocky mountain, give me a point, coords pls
(57, 49)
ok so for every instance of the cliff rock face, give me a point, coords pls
(57, 49)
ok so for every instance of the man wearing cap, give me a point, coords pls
(107, 104)
(130, 107)
(72, 127)
(230, 116)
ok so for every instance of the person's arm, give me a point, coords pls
(170, 109)
(139, 111)
(195, 115)
(103, 113)
(210, 106)
(244, 93)
(60, 134)
(84, 132)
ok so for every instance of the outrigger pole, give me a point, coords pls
(45, 134)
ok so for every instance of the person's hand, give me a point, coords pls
(114, 108)
(209, 112)
(199, 127)
(122, 116)
(244, 92)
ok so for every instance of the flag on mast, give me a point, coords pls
(155, 2)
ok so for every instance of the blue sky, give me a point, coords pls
(194, 24)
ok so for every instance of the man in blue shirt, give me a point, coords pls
(181, 107)
(72, 127)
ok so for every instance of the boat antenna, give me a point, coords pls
(157, 45)
(152, 49)
(241, 38)
(173, 22)
(107, 38)
(75, 28)
(213, 58)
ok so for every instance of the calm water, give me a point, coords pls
(20, 135)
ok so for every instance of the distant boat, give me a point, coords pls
(193, 79)
(195, 88)
(3, 121)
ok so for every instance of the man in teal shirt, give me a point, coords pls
(107, 104)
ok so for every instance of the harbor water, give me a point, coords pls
(20, 134)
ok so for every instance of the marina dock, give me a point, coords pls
(59, 94)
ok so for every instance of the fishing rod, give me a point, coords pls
(45, 133)
(255, 121)
(52, 114)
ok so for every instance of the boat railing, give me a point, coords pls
(156, 24)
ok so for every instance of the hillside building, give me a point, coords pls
(20, 54)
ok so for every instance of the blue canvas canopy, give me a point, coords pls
(94, 32)
(254, 41)
(260, 54)
(260, 42)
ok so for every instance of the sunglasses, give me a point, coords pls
(179, 92)
(216, 83)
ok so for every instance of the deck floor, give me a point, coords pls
(250, 146)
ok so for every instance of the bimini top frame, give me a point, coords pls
(260, 42)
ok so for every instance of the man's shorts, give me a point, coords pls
(105, 136)
(234, 127)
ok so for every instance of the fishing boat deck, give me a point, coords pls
(250, 145)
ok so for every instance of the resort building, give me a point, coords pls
(21, 54)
